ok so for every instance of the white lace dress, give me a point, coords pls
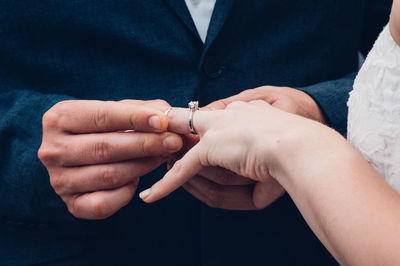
(374, 109)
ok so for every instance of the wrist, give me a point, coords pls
(297, 151)
(315, 112)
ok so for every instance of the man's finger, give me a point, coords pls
(245, 96)
(220, 196)
(266, 93)
(159, 105)
(182, 171)
(98, 116)
(101, 204)
(267, 192)
(86, 149)
(83, 179)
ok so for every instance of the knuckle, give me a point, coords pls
(287, 106)
(73, 208)
(258, 92)
(267, 89)
(134, 184)
(58, 184)
(134, 122)
(214, 199)
(178, 167)
(62, 106)
(262, 88)
(49, 155)
(100, 118)
(50, 119)
(109, 177)
(99, 208)
(161, 102)
(145, 146)
(218, 105)
(56, 115)
(102, 151)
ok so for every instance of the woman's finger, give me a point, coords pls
(181, 172)
(178, 120)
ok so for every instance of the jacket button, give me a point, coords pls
(213, 72)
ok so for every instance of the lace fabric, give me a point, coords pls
(374, 109)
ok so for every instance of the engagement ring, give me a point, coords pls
(193, 107)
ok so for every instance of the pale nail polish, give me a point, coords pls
(155, 122)
(144, 194)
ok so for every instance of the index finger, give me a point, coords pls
(181, 172)
(98, 116)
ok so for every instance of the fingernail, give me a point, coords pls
(155, 122)
(144, 194)
(171, 143)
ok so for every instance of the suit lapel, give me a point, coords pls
(219, 16)
(181, 10)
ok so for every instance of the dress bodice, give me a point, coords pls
(374, 109)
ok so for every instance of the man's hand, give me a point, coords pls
(287, 99)
(220, 188)
(95, 152)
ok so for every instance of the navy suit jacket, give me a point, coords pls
(53, 50)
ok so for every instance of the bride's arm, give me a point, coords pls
(395, 21)
(346, 203)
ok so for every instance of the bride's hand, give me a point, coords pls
(244, 138)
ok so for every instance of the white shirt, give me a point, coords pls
(201, 11)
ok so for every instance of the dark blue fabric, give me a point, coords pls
(52, 50)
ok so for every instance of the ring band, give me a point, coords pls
(193, 107)
(167, 111)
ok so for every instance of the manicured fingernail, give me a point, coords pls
(144, 194)
(171, 143)
(155, 122)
